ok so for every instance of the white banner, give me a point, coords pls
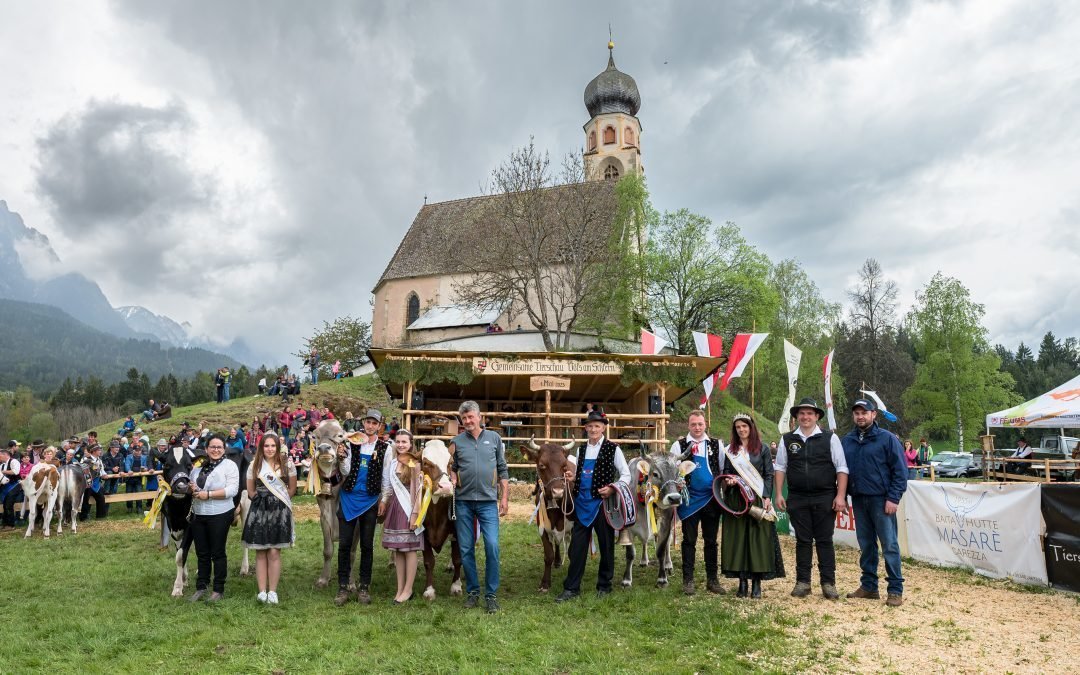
(792, 356)
(828, 391)
(993, 529)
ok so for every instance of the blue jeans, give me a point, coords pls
(487, 514)
(314, 375)
(871, 526)
(225, 391)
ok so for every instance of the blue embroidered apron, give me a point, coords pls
(357, 502)
(587, 506)
(699, 484)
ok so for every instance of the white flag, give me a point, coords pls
(828, 391)
(792, 356)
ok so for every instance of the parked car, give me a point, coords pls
(1057, 447)
(959, 465)
(940, 457)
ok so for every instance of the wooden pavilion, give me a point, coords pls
(538, 394)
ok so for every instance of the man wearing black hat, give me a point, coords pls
(600, 462)
(10, 490)
(813, 463)
(878, 481)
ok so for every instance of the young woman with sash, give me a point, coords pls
(400, 504)
(749, 549)
(271, 483)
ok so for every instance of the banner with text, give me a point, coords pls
(792, 356)
(993, 529)
(1061, 511)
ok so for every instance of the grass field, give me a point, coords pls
(99, 602)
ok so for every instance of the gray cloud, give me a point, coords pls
(828, 131)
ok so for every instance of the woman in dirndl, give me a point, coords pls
(400, 505)
(750, 549)
(271, 484)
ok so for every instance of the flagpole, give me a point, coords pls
(753, 369)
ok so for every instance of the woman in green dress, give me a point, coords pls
(749, 549)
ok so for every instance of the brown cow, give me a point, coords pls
(552, 462)
(327, 437)
(438, 523)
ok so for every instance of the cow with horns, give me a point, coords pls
(553, 499)
(661, 480)
(177, 464)
(324, 480)
(439, 522)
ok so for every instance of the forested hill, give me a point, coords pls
(41, 345)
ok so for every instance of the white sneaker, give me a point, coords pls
(262, 596)
(271, 598)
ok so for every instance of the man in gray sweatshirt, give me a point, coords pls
(478, 470)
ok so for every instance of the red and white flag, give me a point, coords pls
(651, 343)
(742, 350)
(709, 345)
(827, 369)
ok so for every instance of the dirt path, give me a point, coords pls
(951, 622)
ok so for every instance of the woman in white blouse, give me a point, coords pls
(215, 482)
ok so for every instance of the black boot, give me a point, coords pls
(755, 587)
(742, 587)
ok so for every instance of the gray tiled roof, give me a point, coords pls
(426, 249)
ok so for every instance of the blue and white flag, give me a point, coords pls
(880, 405)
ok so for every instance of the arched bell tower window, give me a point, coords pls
(611, 173)
(628, 134)
(592, 141)
(412, 309)
(609, 135)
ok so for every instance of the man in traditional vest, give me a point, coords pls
(702, 508)
(362, 466)
(812, 461)
(600, 462)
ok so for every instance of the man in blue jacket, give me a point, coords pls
(877, 479)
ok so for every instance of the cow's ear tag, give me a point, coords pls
(685, 467)
(643, 469)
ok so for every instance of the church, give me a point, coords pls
(415, 303)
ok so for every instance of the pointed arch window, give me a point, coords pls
(609, 135)
(412, 309)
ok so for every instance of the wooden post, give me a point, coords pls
(1046, 466)
(408, 405)
(933, 477)
(753, 369)
(661, 424)
(547, 413)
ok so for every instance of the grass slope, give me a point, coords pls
(353, 394)
(112, 613)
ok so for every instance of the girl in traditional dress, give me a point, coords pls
(750, 549)
(400, 504)
(271, 483)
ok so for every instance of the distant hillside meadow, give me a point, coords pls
(41, 345)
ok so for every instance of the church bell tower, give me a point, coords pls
(613, 132)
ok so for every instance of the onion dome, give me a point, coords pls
(612, 91)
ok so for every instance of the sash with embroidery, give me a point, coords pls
(275, 485)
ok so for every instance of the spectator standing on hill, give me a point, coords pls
(314, 416)
(313, 363)
(299, 420)
(284, 420)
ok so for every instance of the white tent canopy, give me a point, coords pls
(1057, 409)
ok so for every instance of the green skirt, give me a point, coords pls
(749, 546)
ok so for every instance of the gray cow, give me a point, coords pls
(665, 472)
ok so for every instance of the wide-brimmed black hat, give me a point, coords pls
(807, 403)
(596, 416)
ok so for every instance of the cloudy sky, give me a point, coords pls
(251, 166)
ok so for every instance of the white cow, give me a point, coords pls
(39, 487)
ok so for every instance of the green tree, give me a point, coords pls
(705, 278)
(957, 378)
(346, 340)
(42, 425)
